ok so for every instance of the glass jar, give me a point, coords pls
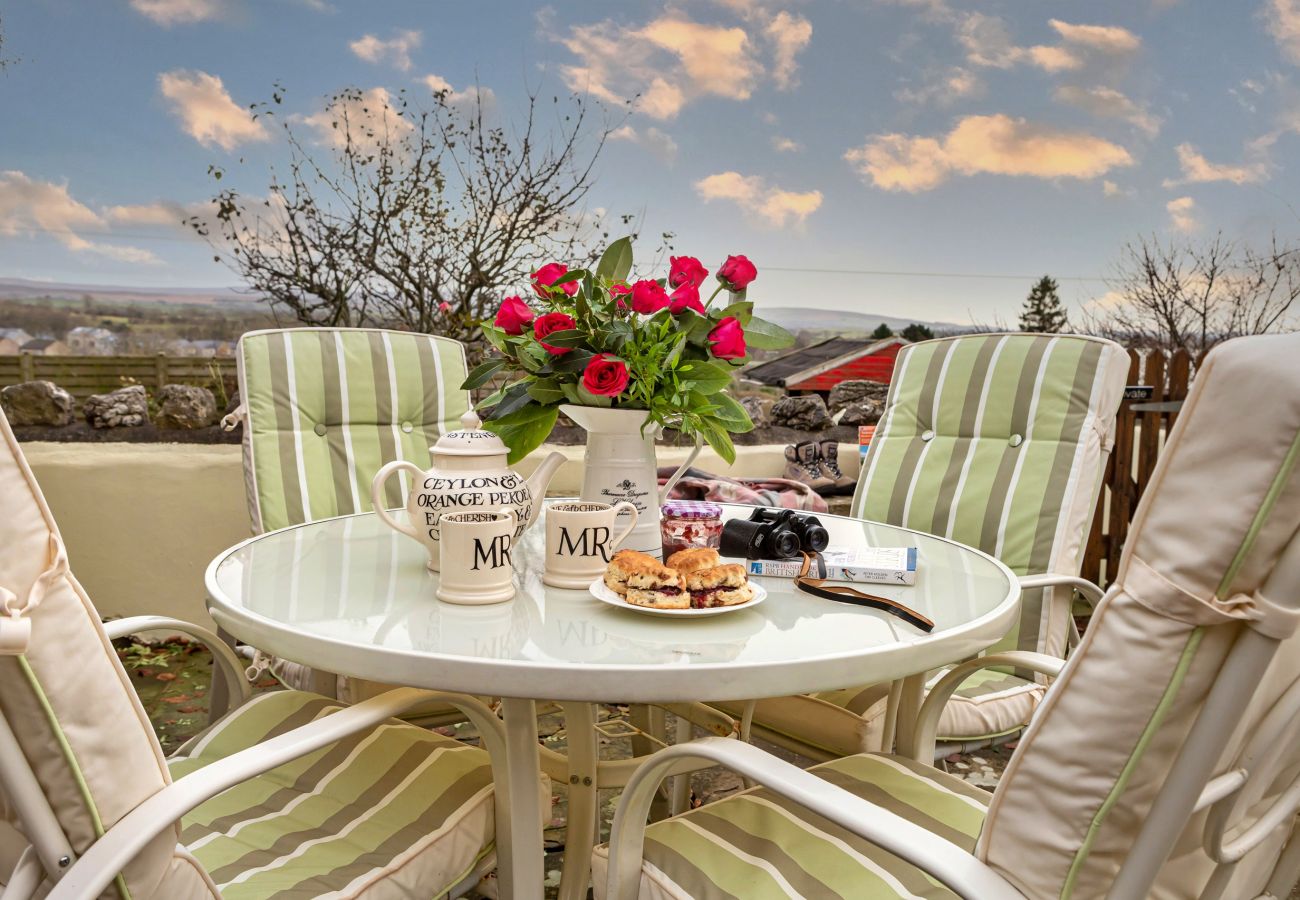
(689, 523)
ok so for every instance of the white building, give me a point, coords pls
(87, 340)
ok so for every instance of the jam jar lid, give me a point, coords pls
(691, 509)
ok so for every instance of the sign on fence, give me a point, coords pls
(1139, 392)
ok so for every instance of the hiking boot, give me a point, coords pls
(830, 459)
(803, 464)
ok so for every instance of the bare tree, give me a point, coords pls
(415, 218)
(1188, 295)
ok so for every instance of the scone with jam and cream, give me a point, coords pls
(725, 585)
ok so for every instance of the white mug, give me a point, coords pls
(475, 559)
(580, 540)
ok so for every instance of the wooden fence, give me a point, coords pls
(82, 376)
(1143, 423)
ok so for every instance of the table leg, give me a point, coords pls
(522, 869)
(584, 801)
(910, 697)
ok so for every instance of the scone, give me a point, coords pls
(624, 564)
(658, 588)
(719, 586)
(694, 559)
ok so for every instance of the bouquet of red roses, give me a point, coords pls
(597, 338)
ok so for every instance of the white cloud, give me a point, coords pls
(1109, 103)
(1053, 59)
(1197, 169)
(178, 12)
(366, 118)
(1283, 18)
(789, 36)
(1182, 214)
(396, 51)
(440, 85)
(1111, 189)
(942, 88)
(785, 145)
(32, 207)
(160, 213)
(660, 145)
(996, 144)
(672, 60)
(206, 111)
(1108, 39)
(753, 194)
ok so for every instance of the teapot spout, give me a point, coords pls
(538, 481)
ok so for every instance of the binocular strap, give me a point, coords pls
(844, 594)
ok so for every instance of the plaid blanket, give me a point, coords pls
(781, 492)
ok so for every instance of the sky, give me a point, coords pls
(918, 158)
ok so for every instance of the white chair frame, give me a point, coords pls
(50, 856)
(1191, 785)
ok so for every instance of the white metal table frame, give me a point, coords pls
(900, 655)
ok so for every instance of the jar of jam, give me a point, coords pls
(689, 523)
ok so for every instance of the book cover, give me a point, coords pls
(875, 565)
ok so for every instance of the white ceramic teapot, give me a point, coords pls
(469, 472)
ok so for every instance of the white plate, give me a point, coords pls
(601, 592)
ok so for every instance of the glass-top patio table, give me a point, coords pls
(351, 596)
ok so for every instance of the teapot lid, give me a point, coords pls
(470, 439)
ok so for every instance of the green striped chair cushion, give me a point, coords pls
(758, 846)
(999, 441)
(398, 804)
(326, 407)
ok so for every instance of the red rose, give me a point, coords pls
(737, 272)
(618, 291)
(605, 376)
(686, 269)
(547, 275)
(685, 297)
(513, 315)
(555, 321)
(649, 297)
(727, 339)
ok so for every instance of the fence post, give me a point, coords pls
(26, 367)
(160, 369)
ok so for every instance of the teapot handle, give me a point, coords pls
(377, 495)
(681, 470)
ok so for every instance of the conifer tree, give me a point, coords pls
(1043, 311)
(882, 331)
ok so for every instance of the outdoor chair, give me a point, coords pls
(323, 409)
(288, 794)
(1162, 763)
(998, 441)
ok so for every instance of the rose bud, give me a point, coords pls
(556, 321)
(686, 270)
(685, 297)
(727, 339)
(605, 376)
(648, 297)
(513, 315)
(737, 272)
(547, 275)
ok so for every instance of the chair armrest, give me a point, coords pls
(224, 660)
(1090, 591)
(945, 861)
(927, 720)
(99, 865)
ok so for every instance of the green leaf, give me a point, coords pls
(496, 337)
(616, 262)
(570, 391)
(569, 338)
(524, 430)
(533, 356)
(571, 362)
(742, 310)
(571, 275)
(761, 334)
(734, 417)
(699, 328)
(718, 438)
(587, 398)
(483, 373)
(705, 377)
(513, 399)
(546, 390)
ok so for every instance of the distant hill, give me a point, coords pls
(228, 298)
(834, 321)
